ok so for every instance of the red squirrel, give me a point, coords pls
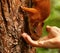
(37, 14)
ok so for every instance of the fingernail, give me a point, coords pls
(48, 28)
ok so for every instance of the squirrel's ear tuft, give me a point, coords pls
(29, 10)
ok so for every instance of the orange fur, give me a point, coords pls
(37, 14)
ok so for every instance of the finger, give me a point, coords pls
(29, 40)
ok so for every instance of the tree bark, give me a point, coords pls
(12, 24)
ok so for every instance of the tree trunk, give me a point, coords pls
(11, 27)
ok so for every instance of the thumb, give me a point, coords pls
(48, 28)
(52, 30)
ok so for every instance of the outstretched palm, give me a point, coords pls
(52, 40)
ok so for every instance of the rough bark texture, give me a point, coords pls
(11, 27)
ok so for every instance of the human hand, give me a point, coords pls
(52, 40)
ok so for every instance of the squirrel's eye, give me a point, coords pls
(42, 24)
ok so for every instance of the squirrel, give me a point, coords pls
(37, 14)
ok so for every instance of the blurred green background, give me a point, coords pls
(52, 20)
